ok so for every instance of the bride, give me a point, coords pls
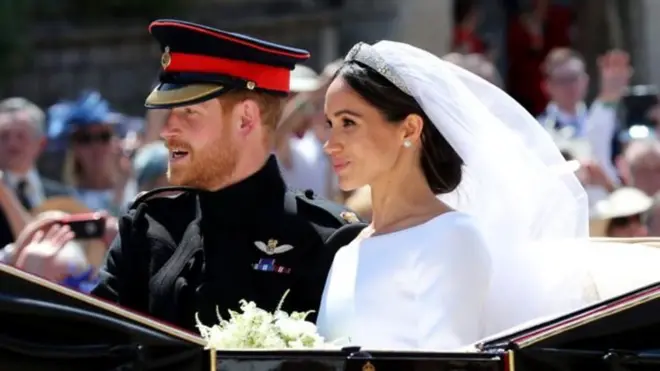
(466, 189)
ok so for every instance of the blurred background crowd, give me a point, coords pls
(76, 145)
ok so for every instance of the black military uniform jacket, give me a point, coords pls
(179, 255)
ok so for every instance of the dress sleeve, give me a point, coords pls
(454, 277)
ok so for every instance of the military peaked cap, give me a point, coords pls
(200, 63)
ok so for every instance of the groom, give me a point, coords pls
(234, 232)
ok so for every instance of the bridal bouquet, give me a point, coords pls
(255, 328)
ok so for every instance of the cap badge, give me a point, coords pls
(349, 216)
(166, 58)
(272, 247)
(368, 367)
(251, 85)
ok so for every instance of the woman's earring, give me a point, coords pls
(407, 143)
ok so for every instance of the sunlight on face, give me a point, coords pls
(568, 83)
(363, 146)
(202, 145)
(20, 144)
(95, 147)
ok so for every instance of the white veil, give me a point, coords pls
(515, 183)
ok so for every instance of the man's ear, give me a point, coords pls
(42, 144)
(545, 88)
(248, 116)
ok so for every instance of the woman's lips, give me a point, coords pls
(339, 165)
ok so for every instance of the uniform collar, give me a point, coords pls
(256, 191)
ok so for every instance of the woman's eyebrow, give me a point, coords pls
(346, 111)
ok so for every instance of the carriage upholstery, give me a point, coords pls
(648, 241)
(623, 264)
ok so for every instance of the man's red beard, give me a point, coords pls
(205, 168)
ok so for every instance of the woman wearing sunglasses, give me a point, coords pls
(93, 157)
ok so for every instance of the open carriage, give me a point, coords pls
(49, 327)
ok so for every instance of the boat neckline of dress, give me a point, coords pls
(416, 227)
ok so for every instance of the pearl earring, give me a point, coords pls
(407, 143)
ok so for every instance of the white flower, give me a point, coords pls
(255, 328)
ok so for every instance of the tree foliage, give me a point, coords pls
(13, 26)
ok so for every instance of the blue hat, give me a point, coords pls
(89, 109)
(200, 63)
(150, 162)
(130, 124)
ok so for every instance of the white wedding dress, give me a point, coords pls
(425, 287)
(419, 288)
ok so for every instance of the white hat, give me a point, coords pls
(304, 79)
(566, 140)
(625, 201)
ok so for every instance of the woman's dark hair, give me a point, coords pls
(442, 166)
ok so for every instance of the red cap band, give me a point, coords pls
(264, 76)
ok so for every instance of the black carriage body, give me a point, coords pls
(620, 334)
(48, 327)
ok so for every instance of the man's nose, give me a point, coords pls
(171, 128)
(14, 145)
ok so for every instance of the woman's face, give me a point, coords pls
(362, 144)
(93, 145)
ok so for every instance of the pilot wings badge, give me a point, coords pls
(272, 248)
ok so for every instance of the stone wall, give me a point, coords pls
(646, 50)
(425, 23)
(123, 62)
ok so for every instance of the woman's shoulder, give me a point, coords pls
(458, 234)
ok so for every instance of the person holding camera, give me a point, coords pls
(64, 242)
